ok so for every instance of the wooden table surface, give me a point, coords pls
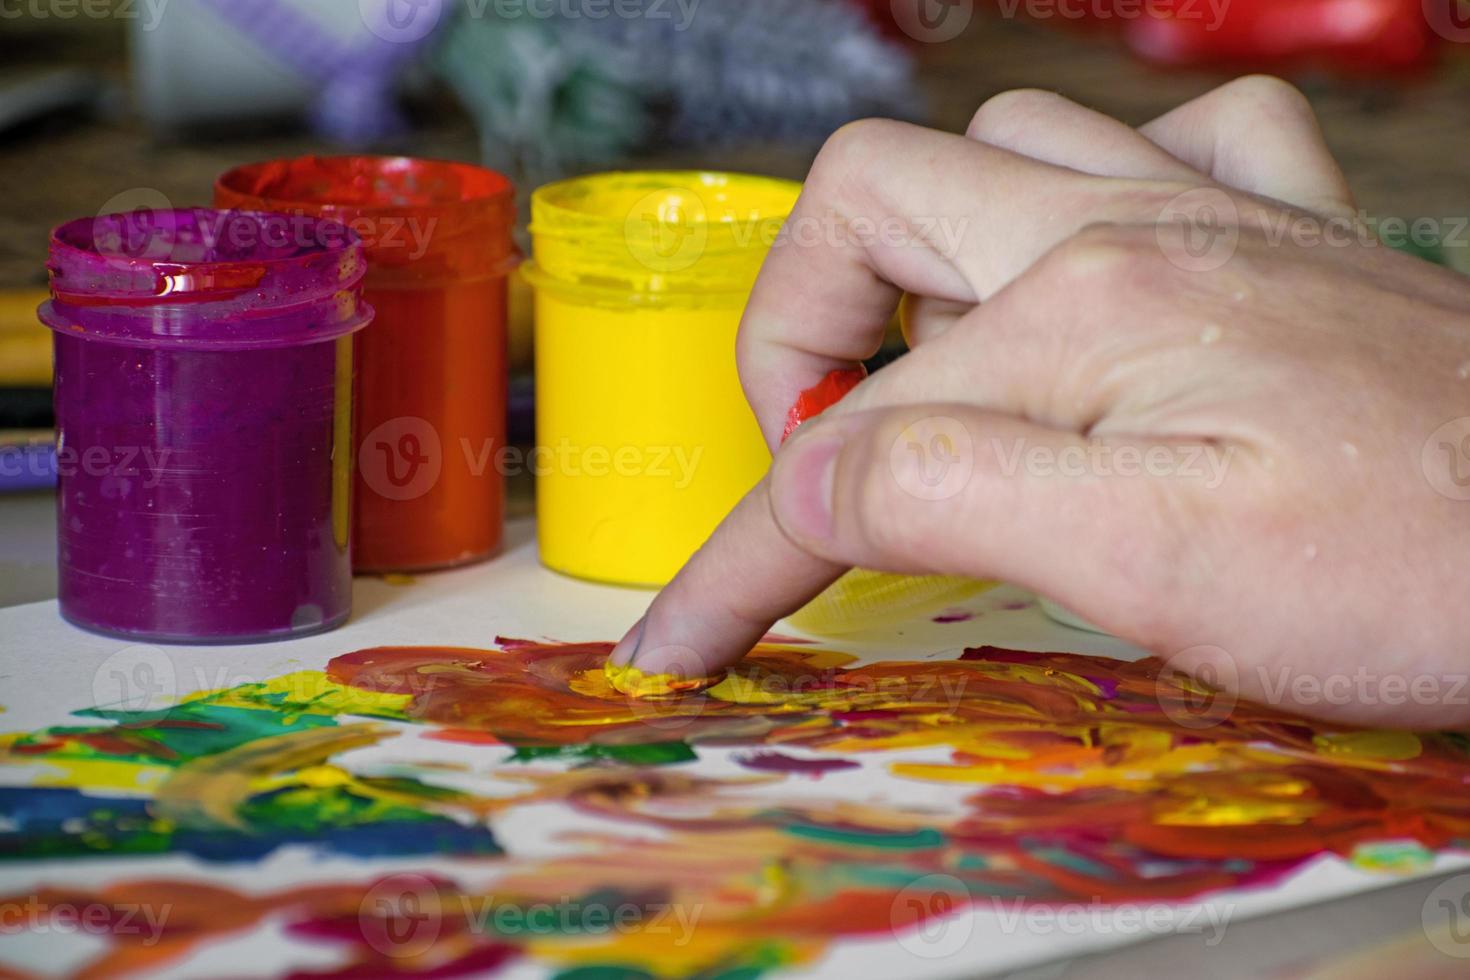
(1404, 146)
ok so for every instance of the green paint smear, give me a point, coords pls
(866, 874)
(189, 731)
(762, 960)
(913, 840)
(654, 754)
(1402, 857)
(101, 833)
(307, 808)
(1075, 862)
(1460, 741)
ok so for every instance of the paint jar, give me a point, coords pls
(432, 394)
(645, 440)
(204, 378)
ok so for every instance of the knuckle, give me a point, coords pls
(1104, 257)
(851, 147)
(1002, 116)
(1256, 95)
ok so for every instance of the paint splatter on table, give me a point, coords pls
(1048, 778)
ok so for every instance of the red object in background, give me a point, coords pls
(432, 368)
(880, 12)
(822, 396)
(1349, 35)
(1344, 35)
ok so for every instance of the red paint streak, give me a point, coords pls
(822, 396)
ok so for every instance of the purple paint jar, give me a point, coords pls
(204, 387)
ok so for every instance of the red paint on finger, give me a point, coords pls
(822, 396)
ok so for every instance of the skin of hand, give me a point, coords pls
(1199, 293)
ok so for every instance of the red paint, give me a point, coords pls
(431, 402)
(822, 396)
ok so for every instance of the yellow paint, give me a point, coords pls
(125, 776)
(864, 599)
(636, 683)
(645, 440)
(310, 692)
(1058, 773)
(208, 791)
(25, 345)
(344, 460)
(669, 949)
(1371, 746)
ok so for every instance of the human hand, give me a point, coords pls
(1285, 389)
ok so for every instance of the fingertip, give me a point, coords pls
(622, 655)
(746, 576)
(675, 646)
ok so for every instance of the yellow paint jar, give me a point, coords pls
(644, 437)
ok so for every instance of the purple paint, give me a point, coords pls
(779, 762)
(954, 616)
(999, 656)
(203, 402)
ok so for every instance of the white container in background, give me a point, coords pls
(193, 66)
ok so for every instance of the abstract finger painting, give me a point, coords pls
(808, 800)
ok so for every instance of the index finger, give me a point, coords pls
(745, 577)
(891, 208)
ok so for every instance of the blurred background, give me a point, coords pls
(117, 104)
(112, 105)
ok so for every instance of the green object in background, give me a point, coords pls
(542, 102)
(1444, 242)
(555, 95)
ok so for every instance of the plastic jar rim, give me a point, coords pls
(553, 213)
(646, 233)
(488, 187)
(451, 221)
(258, 293)
(73, 247)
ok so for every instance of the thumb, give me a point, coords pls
(1096, 523)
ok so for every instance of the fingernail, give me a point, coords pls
(627, 647)
(802, 495)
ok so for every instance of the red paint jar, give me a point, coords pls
(431, 402)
